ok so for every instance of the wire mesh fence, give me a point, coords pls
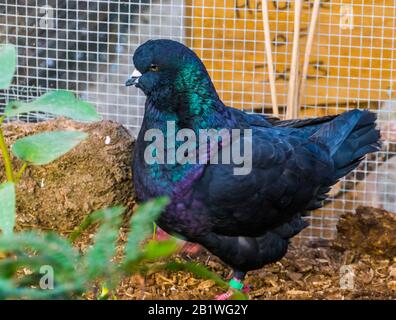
(86, 46)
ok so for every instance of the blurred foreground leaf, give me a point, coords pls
(74, 272)
(160, 249)
(7, 208)
(99, 256)
(142, 225)
(7, 65)
(31, 251)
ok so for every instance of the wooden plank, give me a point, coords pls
(352, 59)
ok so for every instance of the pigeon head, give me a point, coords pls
(167, 71)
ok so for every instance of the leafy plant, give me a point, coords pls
(73, 271)
(38, 149)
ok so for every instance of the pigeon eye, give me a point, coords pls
(154, 68)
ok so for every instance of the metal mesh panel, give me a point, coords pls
(86, 46)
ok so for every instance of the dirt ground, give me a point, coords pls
(359, 264)
(305, 273)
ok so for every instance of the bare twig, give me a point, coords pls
(268, 52)
(308, 49)
(293, 83)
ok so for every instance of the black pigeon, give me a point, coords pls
(247, 219)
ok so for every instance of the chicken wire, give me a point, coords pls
(86, 46)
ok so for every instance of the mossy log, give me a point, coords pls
(95, 174)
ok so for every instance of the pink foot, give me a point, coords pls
(225, 296)
(191, 249)
(161, 235)
(246, 288)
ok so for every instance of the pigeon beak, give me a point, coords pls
(133, 80)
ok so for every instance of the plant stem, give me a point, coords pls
(21, 171)
(154, 231)
(80, 229)
(6, 156)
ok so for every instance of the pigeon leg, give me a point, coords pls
(236, 283)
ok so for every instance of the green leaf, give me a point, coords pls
(58, 102)
(98, 258)
(7, 65)
(141, 226)
(160, 249)
(7, 208)
(43, 148)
